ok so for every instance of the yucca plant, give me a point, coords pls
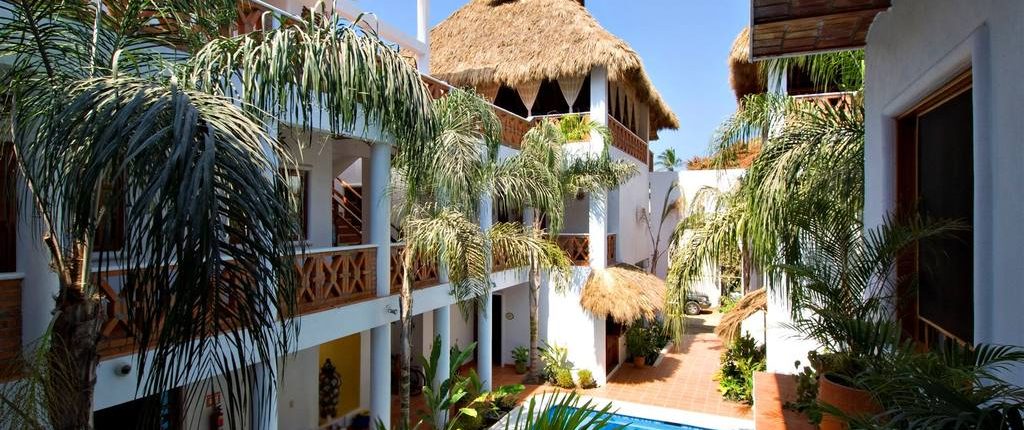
(132, 103)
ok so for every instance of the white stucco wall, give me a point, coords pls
(691, 182)
(565, 323)
(916, 47)
(462, 331)
(516, 331)
(631, 243)
(298, 395)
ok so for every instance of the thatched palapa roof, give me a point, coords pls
(623, 292)
(732, 322)
(514, 42)
(744, 75)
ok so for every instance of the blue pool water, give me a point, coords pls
(618, 421)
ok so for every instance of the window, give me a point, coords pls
(297, 182)
(8, 209)
(935, 178)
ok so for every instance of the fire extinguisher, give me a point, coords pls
(217, 418)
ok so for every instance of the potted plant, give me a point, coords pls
(521, 356)
(638, 344)
(840, 290)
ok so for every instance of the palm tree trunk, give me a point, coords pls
(534, 374)
(405, 311)
(73, 357)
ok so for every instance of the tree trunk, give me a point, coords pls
(73, 357)
(405, 312)
(534, 372)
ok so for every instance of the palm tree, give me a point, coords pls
(668, 161)
(127, 103)
(543, 151)
(439, 206)
(811, 157)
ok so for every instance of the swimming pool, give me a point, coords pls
(618, 421)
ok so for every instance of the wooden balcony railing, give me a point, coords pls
(328, 278)
(424, 273)
(10, 324)
(627, 141)
(836, 100)
(577, 247)
(334, 277)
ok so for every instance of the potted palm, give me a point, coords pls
(638, 344)
(521, 356)
(841, 289)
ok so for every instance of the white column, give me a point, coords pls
(598, 200)
(379, 221)
(483, 327)
(263, 403)
(423, 33)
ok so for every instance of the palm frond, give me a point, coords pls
(562, 411)
(323, 64)
(209, 225)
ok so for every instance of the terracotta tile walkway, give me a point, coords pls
(683, 380)
(771, 392)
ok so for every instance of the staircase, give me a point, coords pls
(347, 210)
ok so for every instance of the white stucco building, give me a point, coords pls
(347, 305)
(943, 136)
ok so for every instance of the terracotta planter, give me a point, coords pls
(852, 401)
(639, 361)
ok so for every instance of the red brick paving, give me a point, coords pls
(771, 392)
(683, 380)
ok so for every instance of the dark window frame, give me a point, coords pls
(928, 334)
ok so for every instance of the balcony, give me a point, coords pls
(577, 247)
(627, 141)
(336, 276)
(513, 126)
(424, 274)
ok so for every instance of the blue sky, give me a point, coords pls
(684, 45)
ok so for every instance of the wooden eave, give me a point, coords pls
(797, 27)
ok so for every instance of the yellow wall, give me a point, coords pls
(344, 354)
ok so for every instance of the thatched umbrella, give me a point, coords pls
(520, 42)
(732, 322)
(744, 75)
(623, 292)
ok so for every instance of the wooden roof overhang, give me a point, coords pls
(798, 27)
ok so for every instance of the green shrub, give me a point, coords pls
(469, 421)
(739, 362)
(521, 354)
(563, 379)
(554, 358)
(726, 303)
(575, 127)
(586, 379)
(647, 340)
